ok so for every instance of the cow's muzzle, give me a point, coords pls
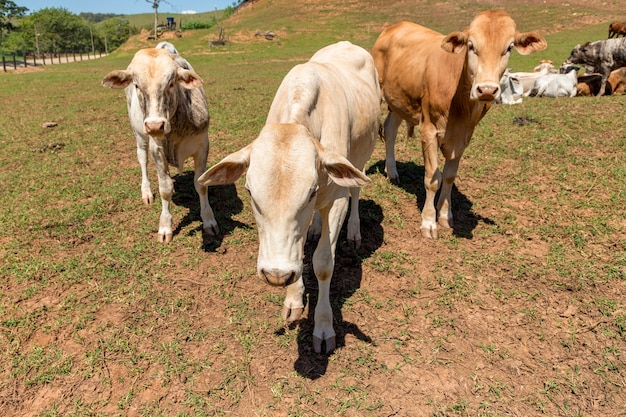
(486, 92)
(278, 278)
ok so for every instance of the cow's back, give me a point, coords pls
(336, 96)
(410, 63)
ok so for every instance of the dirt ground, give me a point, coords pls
(484, 321)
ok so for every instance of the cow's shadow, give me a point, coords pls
(346, 281)
(225, 204)
(412, 181)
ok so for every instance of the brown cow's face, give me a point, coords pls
(488, 42)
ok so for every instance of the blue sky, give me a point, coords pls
(126, 6)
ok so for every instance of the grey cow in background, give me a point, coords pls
(603, 56)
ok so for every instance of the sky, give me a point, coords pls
(126, 6)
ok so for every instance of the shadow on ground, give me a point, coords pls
(346, 281)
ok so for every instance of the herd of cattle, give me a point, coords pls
(306, 166)
(603, 61)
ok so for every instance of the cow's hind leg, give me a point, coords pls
(323, 265)
(209, 224)
(391, 125)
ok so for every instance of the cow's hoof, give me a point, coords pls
(445, 223)
(317, 344)
(394, 180)
(429, 233)
(147, 200)
(291, 314)
(211, 230)
(164, 238)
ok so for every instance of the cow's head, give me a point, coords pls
(156, 79)
(580, 55)
(488, 42)
(288, 175)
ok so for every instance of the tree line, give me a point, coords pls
(57, 30)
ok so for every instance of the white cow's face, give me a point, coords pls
(283, 182)
(154, 80)
(289, 172)
(488, 42)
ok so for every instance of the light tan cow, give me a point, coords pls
(321, 130)
(169, 116)
(445, 84)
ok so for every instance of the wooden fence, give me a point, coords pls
(34, 60)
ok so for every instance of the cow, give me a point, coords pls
(545, 63)
(511, 89)
(616, 29)
(527, 79)
(589, 85)
(617, 80)
(556, 85)
(603, 56)
(320, 131)
(169, 117)
(445, 84)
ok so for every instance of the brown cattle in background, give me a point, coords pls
(616, 29)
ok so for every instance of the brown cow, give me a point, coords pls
(445, 84)
(616, 29)
(589, 85)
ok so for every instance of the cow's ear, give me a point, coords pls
(528, 42)
(454, 42)
(189, 79)
(341, 171)
(228, 170)
(117, 79)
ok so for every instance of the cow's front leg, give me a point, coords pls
(354, 221)
(323, 265)
(432, 179)
(444, 204)
(166, 190)
(391, 125)
(142, 157)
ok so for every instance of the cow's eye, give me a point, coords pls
(508, 50)
(313, 195)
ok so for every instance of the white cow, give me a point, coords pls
(556, 85)
(320, 131)
(527, 79)
(169, 116)
(511, 90)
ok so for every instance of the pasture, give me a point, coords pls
(521, 311)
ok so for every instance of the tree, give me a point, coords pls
(9, 11)
(155, 5)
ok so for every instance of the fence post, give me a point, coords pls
(14, 62)
(44, 58)
(4, 64)
(34, 60)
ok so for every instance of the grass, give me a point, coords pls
(520, 311)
